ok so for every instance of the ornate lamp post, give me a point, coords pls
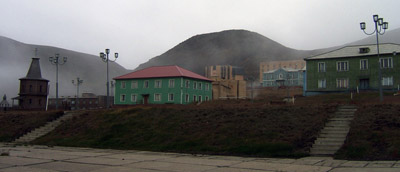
(56, 61)
(105, 58)
(380, 28)
(78, 82)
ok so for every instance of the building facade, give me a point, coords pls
(273, 65)
(33, 89)
(353, 68)
(162, 85)
(228, 81)
(283, 77)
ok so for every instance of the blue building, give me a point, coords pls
(283, 77)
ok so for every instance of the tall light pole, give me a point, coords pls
(380, 28)
(78, 82)
(105, 58)
(56, 61)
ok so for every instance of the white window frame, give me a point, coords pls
(122, 98)
(171, 97)
(123, 84)
(194, 85)
(200, 98)
(200, 85)
(342, 68)
(207, 87)
(134, 97)
(157, 97)
(146, 84)
(171, 83)
(194, 98)
(387, 81)
(342, 83)
(322, 83)
(389, 62)
(187, 84)
(321, 67)
(157, 83)
(187, 98)
(134, 85)
(364, 64)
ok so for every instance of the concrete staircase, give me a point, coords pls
(41, 131)
(333, 135)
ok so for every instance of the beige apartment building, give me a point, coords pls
(273, 65)
(228, 81)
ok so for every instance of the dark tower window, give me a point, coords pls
(30, 88)
(40, 88)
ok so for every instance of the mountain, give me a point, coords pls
(391, 36)
(232, 47)
(16, 58)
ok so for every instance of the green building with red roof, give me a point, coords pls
(162, 85)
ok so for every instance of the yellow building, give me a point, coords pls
(228, 81)
(273, 65)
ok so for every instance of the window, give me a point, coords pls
(40, 89)
(200, 86)
(207, 88)
(387, 81)
(322, 83)
(122, 98)
(157, 97)
(187, 84)
(342, 66)
(171, 83)
(206, 98)
(194, 85)
(386, 62)
(321, 67)
(146, 84)
(342, 83)
(157, 84)
(30, 88)
(280, 76)
(194, 98)
(363, 64)
(170, 97)
(134, 85)
(123, 84)
(187, 98)
(200, 99)
(134, 98)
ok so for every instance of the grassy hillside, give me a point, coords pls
(14, 124)
(233, 128)
(374, 134)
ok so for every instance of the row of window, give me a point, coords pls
(344, 82)
(171, 84)
(171, 98)
(344, 65)
(282, 76)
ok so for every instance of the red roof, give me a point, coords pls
(162, 72)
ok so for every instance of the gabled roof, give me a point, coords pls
(34, 72)
(354, 51)
(162, 72)
(285, 69)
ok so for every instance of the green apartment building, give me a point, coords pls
(353, 67)
(162, 85)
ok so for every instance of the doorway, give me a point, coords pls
(364, 84)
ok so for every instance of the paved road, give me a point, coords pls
(57, 159)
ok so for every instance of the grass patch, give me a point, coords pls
(374, 134)
(14, 124)
(212, 128)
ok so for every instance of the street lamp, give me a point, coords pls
(380, 28)
(56, 61)
(78, 82)
(105, 58)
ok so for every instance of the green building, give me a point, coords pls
(353, 68)
(162, 85)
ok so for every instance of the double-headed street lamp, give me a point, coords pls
(78, 82)
(105, 58)
(380, 28)
(56, 61)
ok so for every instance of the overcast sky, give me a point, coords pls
(141, 29)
